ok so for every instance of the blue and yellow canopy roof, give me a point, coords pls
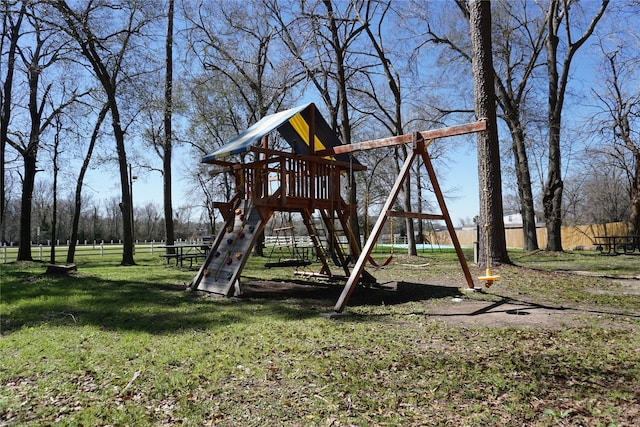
(293, 126)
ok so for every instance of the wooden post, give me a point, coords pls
(313, 170)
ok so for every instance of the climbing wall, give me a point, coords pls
(220, 273)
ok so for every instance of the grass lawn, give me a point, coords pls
(112, 345)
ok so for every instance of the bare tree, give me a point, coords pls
(43, 54)
(151, 219)
(518, 50)
(599, 193)
(559, 23)
(389, 115)
(11, 23)
(114, 214)
(238, 48)
(620, 105)
(54, 208)
(80, 181)
(321, 36)
(106, 54)
(516, 53)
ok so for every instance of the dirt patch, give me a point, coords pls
(461, 312)
(627, 286)
(447, 303)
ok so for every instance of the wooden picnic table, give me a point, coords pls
(616, 245)
(186, 252)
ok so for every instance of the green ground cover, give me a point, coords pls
(114, 345)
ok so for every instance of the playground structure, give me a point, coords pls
(276, 181)
(307, 181)
(419, 142)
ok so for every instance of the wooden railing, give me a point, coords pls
(281, 178)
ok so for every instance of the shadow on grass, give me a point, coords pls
(328, 294)
(143, 300)
(153, 307)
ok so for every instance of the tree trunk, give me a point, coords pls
(552, 191)
(525, 191)
(30, 154)
(553, 187)
(492, 242)
(126, 205)
(168, 144)
(54, 208)
(24, 250)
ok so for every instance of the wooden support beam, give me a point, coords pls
(445, 212)
(375, 233)
(418, 215)
(406, 139)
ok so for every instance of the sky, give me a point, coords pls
(457, 177)
(460, 178)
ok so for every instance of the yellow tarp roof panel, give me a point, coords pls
(293, 126)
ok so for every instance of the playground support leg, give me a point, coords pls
(373, 237)
(446, 217)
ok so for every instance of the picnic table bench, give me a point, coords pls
(616, 245)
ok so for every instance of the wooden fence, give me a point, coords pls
(573, 237)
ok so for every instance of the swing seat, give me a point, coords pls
(377, 265)
(288, 263)
(488, 278)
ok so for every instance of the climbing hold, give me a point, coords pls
(238, 255)
(241, 235)
(238, 211)
(229, 260)
(206, 273)
(229, 229)
(251, 228)
(241, 217)
(228, 275)
(229, 241)
(216, 254)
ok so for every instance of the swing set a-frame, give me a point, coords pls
(308, 181)
(418, 150)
